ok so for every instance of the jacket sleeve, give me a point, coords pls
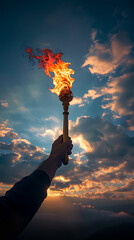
(21, 202)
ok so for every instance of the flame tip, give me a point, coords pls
(52, 63)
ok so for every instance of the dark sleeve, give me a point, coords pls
(21, 202)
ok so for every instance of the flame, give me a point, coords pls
(52, 63)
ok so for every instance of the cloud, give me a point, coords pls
(121, 214)
(85, 145)
(61, 179)
(79, 101)
(83, 206)
(122, 99)
(51, 133)
(18, 157)
(117, 95)
(108, 142)
(20, 146)
(4, 129)
(108, 171)
(93, 34)
(47, 132)
(52, 118)
(23, 109)
(4, 103)
(114, 58)
(7, 171)
(92, 94)
(15, 165)
(104, 58)
(4, 187)
(12, 135)
(76, 100)
(7, 131)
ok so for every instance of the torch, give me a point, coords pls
(65, 97)
(62, 80)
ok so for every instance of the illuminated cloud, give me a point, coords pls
(92, 94)
(4, 103)
(52, 118)
(61, 179)
(76, 100)
(7, 131)
(104, 58)
(121, 214)
(4, 187)
(19, 141)
(117, 93)
(85, 145)
(4, 129)
(47, 132)
(122, 99)
(21, 146)
(51, 133)
(118, 97)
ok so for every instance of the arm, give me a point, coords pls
(22, 201)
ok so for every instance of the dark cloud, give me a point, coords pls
(128, 187)
(112, 158)
(22, 158)
(11, 172)
(58, 186)
(111, 144)
(7, 170)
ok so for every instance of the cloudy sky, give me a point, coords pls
(96, 37)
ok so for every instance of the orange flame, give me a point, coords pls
(52, 63)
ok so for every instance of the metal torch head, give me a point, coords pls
(66, 95)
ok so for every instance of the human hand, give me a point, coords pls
(59, 149)
(57, 155)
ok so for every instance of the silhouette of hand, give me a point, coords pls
(57, 155)
(59, 149)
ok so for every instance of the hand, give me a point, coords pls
(59, 149)
(57, 155)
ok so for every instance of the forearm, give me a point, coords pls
(50, 166)
(23, 201)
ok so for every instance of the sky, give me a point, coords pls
(97, 38)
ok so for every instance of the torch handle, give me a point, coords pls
(65, 128)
